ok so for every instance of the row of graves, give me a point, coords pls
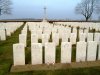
(6, 29)
(61, 34)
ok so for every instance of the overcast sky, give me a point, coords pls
(56, 9)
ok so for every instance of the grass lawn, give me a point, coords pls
(6, 59)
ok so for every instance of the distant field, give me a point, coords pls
(6, 60)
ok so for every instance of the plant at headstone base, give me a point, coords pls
(87, 8)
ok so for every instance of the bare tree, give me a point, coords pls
(5, 7)
(87, 8)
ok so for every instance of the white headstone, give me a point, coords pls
(91, 51)
(2, 34)
(73, 38)
(8, 32)
(97, 37)
(90, 37)
(74, 30)
(22, 39)
(47, 31)
(81, 51)
(18, 54)
(39, 32)
(54, 30)
(50, 51)
(60, 31)
(68, 31)
(24, 32)
(45, 38)
(34, 31)
(86, 31)
(36, 53)
(55, 38)
(34, 38)
(82, 37)
(80, 31)
(65, 37)
(66, 50)
(99, 52)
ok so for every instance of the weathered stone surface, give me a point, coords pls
(97, 37)
(34, 38)
(18, 54)
(99, 52)
(91, 51)
(55, 38)
(90, 37)
(65, 37)
(50, 51)
(36, 53)
(45, 39)
(82, 37)
(2, 34)
(73, 38)
(22, 39)
(81, 51)
(66, 50)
